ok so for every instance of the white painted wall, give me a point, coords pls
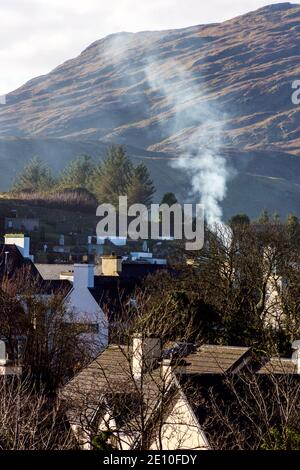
(21, 242)
(181, 430)
(83, 276)
(84, 309)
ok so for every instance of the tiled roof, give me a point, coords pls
(111, 364)
(110, 375)
(211, 359)
(277, 365)
(114, 364)
(52, 271)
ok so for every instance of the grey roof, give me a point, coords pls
(212, 359)
(110, 373)
(110, 377)
(23, 269)
(115, 361)
(277, 365)
(51, 272)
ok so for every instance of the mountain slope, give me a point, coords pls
(243, 69)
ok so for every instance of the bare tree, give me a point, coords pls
(41, 331)
(250, 411)
(242, 292)
(30, 420)
(130, 398)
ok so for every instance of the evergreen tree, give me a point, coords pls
(111, 178)
(264, 217)
(140, 188)
(239, 219)
(169, 199)
(293, 228)
(36, 176)
(117, 176)
(77, 174)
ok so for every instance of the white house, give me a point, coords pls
(107, 395)
(82, 306)
(85, 311)
(7, 368)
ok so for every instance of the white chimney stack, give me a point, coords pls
(146, 351)
(111, 265)
(166, 370)
(3, 358)
(83, 276)
(296, 355)
(21, 242)
(6, 366)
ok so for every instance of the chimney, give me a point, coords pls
(166, 370)
(21, 242)
(146, 351)
(3, 357)
(83, 276)
(6, 366)
(296, 355)
(111, 265)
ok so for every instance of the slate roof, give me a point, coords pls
(278, 365)
(109, 377)
(16, 265)
(52, 271)
(110, 373)
(139, 270)
(106, 288)
(15, 261)
(211, 359)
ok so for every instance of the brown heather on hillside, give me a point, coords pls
(244, 66)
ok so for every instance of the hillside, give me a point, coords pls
(151, 91)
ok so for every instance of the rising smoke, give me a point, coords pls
(190, 115)
(199, 125)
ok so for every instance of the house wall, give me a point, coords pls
(83, 437)
(273, 301)
(84, 309)
(181, 429)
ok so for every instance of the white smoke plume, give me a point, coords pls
(191, 115)
(200, 125)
